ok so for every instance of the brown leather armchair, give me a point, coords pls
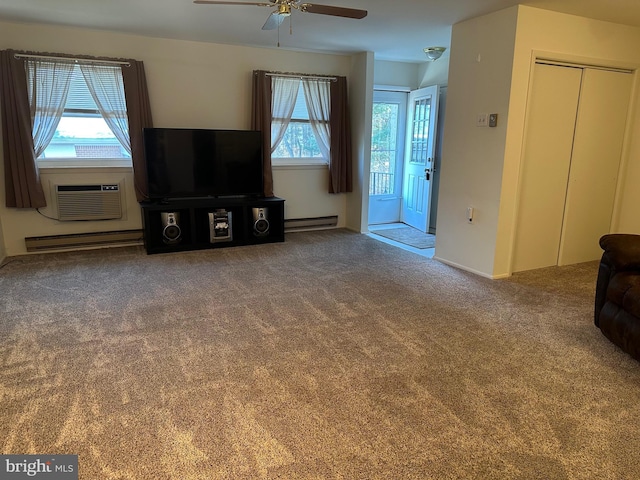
(617, 304)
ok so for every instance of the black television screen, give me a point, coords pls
(203, 163)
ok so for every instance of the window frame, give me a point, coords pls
(300, 161)
(84, 162)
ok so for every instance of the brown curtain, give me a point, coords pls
(261, 120)
(139, 113)
(340, 170)
(21, 178)
(340, 173)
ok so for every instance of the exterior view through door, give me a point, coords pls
(387, 156)
(403, 157)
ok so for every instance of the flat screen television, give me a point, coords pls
(183, 163)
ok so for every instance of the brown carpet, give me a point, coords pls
(408, 236)
(329, 356)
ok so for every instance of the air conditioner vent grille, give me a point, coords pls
(89, 202)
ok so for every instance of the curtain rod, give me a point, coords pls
(72, 59)
(301, 76)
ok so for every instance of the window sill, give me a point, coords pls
(52, 166)
(322, 166)
(84, 169)
(293, 165)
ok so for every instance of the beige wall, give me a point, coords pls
(191, 85)
(434, 73)
(573, 39)
(3, 250)
(397, 74)
(491, 61)
(361, 100)
(472, 158)
(412, 75)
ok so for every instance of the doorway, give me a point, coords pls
(399, 201)
(387, 156)
(395, 197)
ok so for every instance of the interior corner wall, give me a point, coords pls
(361, 109)
(412, 75)
(3, 250)
(479, 78)
(434, 73)
(396, 74)
(572, 39)
(191, 85)
(490, 66)
(627, 219)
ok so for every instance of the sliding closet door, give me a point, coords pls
(551, 118)
(593, 178)
(575, 129)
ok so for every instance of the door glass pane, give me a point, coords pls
(384, 145)
(420, 131)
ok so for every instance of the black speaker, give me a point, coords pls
(260, 222)
(171, 233)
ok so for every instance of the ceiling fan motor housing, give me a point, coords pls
(284, 10)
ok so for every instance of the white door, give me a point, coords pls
(387, 156)
(573, 144)
(551, 118)
(593, 178)
(419, 157)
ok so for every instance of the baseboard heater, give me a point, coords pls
(315, 223)
(83, 240)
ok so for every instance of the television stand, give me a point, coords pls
(172, 225)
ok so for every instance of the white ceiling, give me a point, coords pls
(394, 30)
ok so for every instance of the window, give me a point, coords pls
(82, 131)
(384, 148)
(274, 99)
(300, 121)
(298, 140)
(79, 113)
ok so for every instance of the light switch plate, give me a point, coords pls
(482, 120)
(493, 119)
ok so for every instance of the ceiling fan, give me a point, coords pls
(283, 9)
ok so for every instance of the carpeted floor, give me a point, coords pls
(408, 236)
(329, 356)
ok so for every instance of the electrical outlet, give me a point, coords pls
(482, 120)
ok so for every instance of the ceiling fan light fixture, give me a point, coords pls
(434, 53)
(284, 10)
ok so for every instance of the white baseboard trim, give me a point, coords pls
(471, 270)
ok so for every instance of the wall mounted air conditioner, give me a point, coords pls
(89, 202)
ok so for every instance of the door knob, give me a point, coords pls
(427, 173)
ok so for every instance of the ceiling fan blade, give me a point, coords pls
(273, 22)
(215, 2)
(334, 11)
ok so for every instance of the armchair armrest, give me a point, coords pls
(621, 251)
